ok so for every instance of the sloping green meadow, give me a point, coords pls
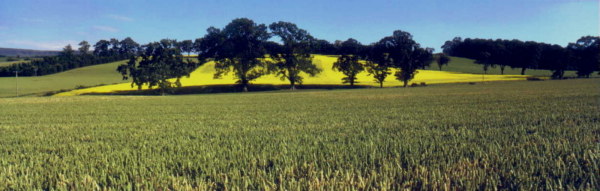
(513, 135)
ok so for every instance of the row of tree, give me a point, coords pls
(582, 56)
(104, 51)
(243, 48)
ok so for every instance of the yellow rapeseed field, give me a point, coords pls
(204, 76)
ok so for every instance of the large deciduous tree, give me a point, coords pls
(84, 47)
(186, 46)
(239, 47)
(350, 66)
(442, 60)
(159, 62)
(585, 55)
(128, 47)
(348, 63)
(293, 57)
(101, 48)
(406, 54)
(378, 64)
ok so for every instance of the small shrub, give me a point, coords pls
(423, 84)
(414, 85)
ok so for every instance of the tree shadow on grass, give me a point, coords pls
(208, 89)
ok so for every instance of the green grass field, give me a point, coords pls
(465, 65)
(85, 76)
(8, 63)
(521, 135)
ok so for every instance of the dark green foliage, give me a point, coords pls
(406, 54)
(159, 62)
(84, 47)
(484, 59)
(293, 57)
(585, 55)
(128, 47)
(582, 56)
(350, 66)
(186, 46)
(378, 64)
(239, 47)
(441, 60)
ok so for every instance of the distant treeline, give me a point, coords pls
(14, 52)
(105, 51)
(582, 56)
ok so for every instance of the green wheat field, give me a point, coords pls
(524, 135)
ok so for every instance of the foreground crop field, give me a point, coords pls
(513, 135)
(204, 76)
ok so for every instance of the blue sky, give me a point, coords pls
(51, 24)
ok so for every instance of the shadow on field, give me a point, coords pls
(227, 89)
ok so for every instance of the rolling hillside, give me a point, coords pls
(85, 76)
(457, 71)
(465, 65)
(27, 52)
(204, 76)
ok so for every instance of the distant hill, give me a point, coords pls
(27, 52)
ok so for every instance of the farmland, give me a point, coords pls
(204, 76)
(85, 76)
(512, 135)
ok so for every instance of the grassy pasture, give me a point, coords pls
(510, 135)
(465, 65)
(85, 76)
(8, 63)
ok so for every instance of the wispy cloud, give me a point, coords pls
(40, 45)
(120, 17)
(105, 28)
(32, 20)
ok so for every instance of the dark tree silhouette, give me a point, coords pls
(441, 60)
(186, 46)
(128, 47)
(407, 55)
(293, 57)
(484, 59)
(239, 47)
(101, 48)
(350, 66)
(159, 62)
(378, 64)
(84, 47)
(585, 55)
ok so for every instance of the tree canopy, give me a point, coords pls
(239, 47)
(293, 57)
(406, 54)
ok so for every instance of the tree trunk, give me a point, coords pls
(292, 85)
(523, 71)
(244, 85)
(380, 84)
(440, 67)
(351, 83)
(502, 69)
(405, 83)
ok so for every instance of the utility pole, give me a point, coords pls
(17, 79)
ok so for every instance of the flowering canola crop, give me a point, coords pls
(204, 76)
